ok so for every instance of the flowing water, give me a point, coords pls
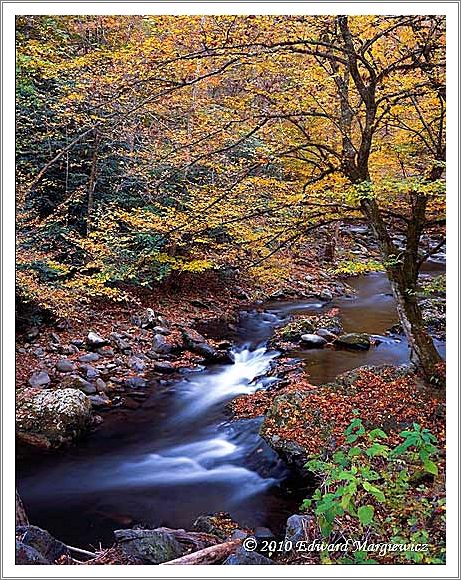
(179, 455)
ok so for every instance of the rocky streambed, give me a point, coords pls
(182, 454)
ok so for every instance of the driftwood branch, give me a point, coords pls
(210, 555)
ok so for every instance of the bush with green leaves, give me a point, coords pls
(384, 494)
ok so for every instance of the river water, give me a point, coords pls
(179, 455)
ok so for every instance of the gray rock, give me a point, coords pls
(296, 528)
(41, 541)
(164, 367)
(149, 546)
(120, 343)
(98, 401)
(353, 341)
(65, 366)
(77, 382)
(39, 379)
(78, 342)
(101, 386)
(94, 340)
(326, 334)
(89, 357)
(91, 372)
(25, 555)
(326, 295)
(136, 364)
(245, 558)
(313, 340)
(160, 345)
(51, 418)
(161, 330)
(136, 383)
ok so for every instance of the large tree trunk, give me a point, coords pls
(423, 353)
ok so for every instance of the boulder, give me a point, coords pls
(160, 345)
(149, 546)
(39, 379)
(25, 555)
(94, 340)
(65, 366)
(313, 340)
(246, 558)
(353, 341)
(51, 418)
(42, 542)
(77, 382)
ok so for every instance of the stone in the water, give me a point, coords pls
(94, 340)
(39, 379)
(65, 366)
(326, 334)
(164, 367)
(353, 341)
(89, 357)
(136, 382)
(313, 340)
(149, 546)
(101, 400)
(245, 558)
(326, 295)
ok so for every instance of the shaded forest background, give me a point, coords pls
(170, 150)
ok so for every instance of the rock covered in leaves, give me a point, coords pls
(51, 418)
(292, 332)
(300, 423)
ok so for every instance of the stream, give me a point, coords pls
(180, 456)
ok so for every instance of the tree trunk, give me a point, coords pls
(21, 516)
(423, 353)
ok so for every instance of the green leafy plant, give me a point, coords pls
(371, 489)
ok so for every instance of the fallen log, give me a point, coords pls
(211, 555)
